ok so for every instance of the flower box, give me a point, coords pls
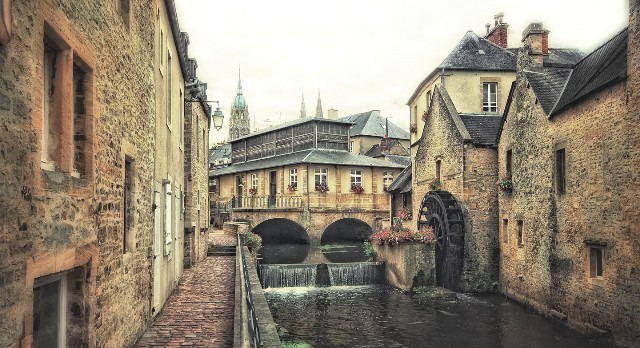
(357, 188)
(322, 187)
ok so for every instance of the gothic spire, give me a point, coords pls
(319, 107)
(303, 108)
(239, 92)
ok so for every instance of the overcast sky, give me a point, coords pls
(361, 55)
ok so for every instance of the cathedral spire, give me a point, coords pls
(319, 107)
(239, 92)
(239, 122)
(303, 108)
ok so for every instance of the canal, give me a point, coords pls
(378, 315)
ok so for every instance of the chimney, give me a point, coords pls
(332, 114)
(498, 35)
(536, 41)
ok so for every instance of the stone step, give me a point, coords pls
(221, 250)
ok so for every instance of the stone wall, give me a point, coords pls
(469, 173)
(408, 265)
(550, 269)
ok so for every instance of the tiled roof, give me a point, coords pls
(563, 57)
(547, 84)
(371, 123)
(402, 160)
(316, 156)
(482, 128)
(606, 64)
(402, 183)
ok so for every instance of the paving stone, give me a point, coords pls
(199, 313)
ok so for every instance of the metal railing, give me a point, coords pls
(267, 202)
(254, 331)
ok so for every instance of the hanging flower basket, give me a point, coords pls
(357, 188)
(435, 184)
(505, 184)
(425, 116)
(322, 187)
(253, 191)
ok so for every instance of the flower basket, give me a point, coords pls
(404, 215)
(505, 184)
(400, 235)
(413, 128)
(322, 187)
(357, 188)
(292, 187)
(253, 191)
(435, 184)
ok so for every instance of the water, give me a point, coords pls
(380, 316)
(276, 276)
(359, 273)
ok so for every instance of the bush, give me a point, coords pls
(252, 241)
(368, 249)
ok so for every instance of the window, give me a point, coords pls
(161, 52)
(387, 179)
(428, 101)
(50, 311)
(505, 230)
(595, 262)
(351, 146)
(438, 169)
(125, 12)
(560, 171)
(204, 146)
(320, 176)
(213, 186)
(356, 177)
(169, 90)
(490, 96)
(293, 177)
(66, 107)
(254, 181)
(128, 243)
(181, 120)
(508, 162)
(520, 237)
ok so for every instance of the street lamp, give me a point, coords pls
(196, 89)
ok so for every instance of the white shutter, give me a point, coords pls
(157, 225)
(168, 214)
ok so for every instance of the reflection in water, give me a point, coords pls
(379, 316)
(344, 252)
(284, 253)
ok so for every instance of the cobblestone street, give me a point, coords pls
(199, 313)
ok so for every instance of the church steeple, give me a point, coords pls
(239, 122)
(319, 107)
(303, 108)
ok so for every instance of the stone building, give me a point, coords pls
(370, 128)
(569, 220)
(455, 158)
(302, 171)
(91, 114)
(197, 123)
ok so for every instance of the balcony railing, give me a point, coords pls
(313, 200)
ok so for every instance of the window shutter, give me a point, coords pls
(168, 221)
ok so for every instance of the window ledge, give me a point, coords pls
(48, 166)
(598, 281)
(75, 174)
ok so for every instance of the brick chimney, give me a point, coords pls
(498, 35)
(536, 41)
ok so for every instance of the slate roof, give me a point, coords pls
(482, 128)
(402, 160)
(547, 84)
(473, 53)
(563, 57)
(314, 156)
(605, 65)
(371, 123)
(220, 152)
(476, 53)
(402, 183)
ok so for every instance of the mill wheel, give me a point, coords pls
(440, 211)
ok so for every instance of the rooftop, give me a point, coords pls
(371, 123)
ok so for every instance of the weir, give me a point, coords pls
(312, 275)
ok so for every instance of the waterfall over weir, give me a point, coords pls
(311, 275)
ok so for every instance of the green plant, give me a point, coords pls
(435, 184)
(505, 184)
(368, 249)
(252, 241)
